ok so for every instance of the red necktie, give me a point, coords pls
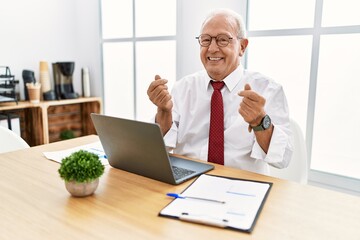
(216, 132)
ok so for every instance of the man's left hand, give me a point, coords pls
(252, 106)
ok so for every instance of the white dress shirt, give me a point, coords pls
(189, 133)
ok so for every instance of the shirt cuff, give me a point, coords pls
(277, 155)
(170, 137)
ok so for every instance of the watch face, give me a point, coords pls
(266, 122)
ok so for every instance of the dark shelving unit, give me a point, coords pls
(7, 85)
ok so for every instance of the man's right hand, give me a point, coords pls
(159, 95)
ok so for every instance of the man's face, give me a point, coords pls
(219, 62)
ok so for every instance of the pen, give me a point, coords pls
(204, 220)
(175, 195)
(98, 152)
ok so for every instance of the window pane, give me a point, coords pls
(116, 18)
(341, 13)
(118, 79)
(155, 18)
(153, 58)
(336, 127)
(287, 61)
(281, 14)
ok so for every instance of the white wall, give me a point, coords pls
(190, 17)
(57, 30)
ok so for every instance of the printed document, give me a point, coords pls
(220, 201)
(95, 147)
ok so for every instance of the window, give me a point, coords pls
(283, 51)
(337, 102)
(340, 13)
(268, 15)
(137, 45)
(312, 48)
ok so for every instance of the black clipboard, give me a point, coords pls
(218, 205)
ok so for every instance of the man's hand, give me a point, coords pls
(252, 106)
(159, 95)
(252, 110)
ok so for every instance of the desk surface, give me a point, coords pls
(34, 204)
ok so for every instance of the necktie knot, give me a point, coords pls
(217, 85)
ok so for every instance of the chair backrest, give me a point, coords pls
(10, 141)
(298, 167)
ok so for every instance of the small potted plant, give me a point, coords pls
(67, 134)
(81, 172)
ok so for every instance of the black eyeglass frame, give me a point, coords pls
(216, 40)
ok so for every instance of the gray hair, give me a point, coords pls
(232, 15)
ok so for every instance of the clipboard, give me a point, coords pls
(218, 201)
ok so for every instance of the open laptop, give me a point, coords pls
(138, 147)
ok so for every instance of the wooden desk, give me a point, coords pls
(35, 205)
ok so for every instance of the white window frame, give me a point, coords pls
(134, 39)
(319, 178)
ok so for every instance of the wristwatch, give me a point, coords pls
(265, 124)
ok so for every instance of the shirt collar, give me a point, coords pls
(232, 80)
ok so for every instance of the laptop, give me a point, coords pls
(138, 147)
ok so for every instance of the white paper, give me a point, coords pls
(242, 199)
(95, 147)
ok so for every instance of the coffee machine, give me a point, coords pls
(63, 78)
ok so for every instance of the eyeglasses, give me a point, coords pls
(221, 40)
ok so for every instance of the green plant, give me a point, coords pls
(81, 166)
(67, 134)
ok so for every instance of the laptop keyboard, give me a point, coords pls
(181, 172)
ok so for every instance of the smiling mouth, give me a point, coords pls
(214, 58)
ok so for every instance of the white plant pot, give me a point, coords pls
(83, 189)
